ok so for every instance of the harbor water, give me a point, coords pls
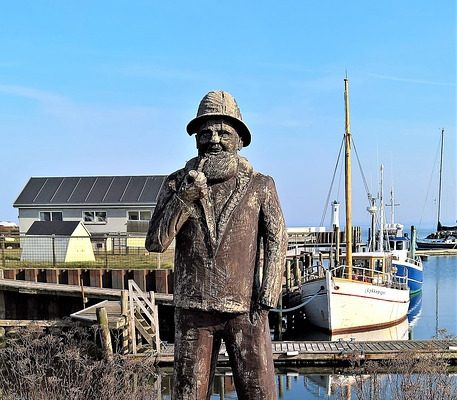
(433, 313)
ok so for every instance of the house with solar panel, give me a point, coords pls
(107, 205)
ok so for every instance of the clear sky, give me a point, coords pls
(107, 88)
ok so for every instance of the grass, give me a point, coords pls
(137, 258)
(67, 365)
(406, 377)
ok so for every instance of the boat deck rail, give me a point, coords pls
(417, 262)
(360, 273)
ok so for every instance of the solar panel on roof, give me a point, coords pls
(91, 190)
(116, 190)
(30, 190)
(82, 189)
(65, 190)
(151, 189)
(134, 189)
(48, 190)
(99, 189)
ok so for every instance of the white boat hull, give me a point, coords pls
(343, 305)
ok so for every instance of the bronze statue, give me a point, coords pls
(230, 253)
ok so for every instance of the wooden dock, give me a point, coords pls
(341, 352)
(438, 252)
(56, 289)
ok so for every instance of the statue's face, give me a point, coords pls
(216, 136)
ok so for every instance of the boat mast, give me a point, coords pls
(348, 180)
(439, 188)
(381, 204)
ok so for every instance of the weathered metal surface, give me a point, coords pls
(230, 253)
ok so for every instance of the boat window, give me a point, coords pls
(392, 244)
(378, 265)
(399, 245)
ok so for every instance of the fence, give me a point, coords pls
(112, 251)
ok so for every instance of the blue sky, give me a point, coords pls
(107, 88)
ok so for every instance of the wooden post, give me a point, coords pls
(105, 244)
(321, 265)
(139, 276)
(3, 253)
(84, 298)
(117, 278)
(126, 327)
(53, 240)
(74, 276)
(222, 387)
(102, 318)
(30, 275)
(95, 278)
(288, 283)
(280, 387)
(297, 272)
(9, 274)
(161, 280)
(51, 275)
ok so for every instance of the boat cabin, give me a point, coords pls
(371, 267)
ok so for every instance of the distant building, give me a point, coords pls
(105, 204)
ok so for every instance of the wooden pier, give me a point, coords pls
(323, 353)
(29, 287)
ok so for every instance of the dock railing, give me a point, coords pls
(144, 323)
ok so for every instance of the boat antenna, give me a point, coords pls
(439, 187)
(348, 180)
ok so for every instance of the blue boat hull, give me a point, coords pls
(415, 275)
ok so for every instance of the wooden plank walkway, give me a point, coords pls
(71, 290)
(341, 352)
(113, 309)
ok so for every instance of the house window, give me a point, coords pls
(51, 216)
(94, 217)
(139, 215)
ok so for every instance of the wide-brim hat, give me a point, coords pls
(220, 104)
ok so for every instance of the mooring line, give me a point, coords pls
(285, 310)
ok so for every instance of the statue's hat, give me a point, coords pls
(220, 104)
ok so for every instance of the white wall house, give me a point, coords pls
(105, 204)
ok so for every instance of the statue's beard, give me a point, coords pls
(220, 167)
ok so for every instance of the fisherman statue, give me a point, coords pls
(230, 253)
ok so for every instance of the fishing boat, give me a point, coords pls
(362, 291)
(403, 257)
(402, 248)
(445, 237)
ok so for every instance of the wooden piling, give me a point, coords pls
(102, 319)
(95, 278)
(161, 281)
(117, 279)
(125, 314)
(31, 275)
(297, 272)
(288, 281)
(51, 275)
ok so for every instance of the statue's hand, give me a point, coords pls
(194, 187)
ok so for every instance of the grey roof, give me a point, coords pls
(65, 228)
(106, 190)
